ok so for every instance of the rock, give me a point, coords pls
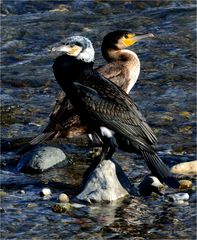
(2, 210)
(149, 185)
(63, 198)
(61, 207)
(45, 192)
(21, 191)
(32, 205)
(185, 184)
(106, 183)
(187, 168)
(14, 180)
(41, 159)
(2, 193)
(178, 198)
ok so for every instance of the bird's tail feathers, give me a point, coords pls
(159, 169)
(28, 146)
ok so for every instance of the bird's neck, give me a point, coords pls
(67, 69)
(119, 55)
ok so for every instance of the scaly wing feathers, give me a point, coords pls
(116, 110)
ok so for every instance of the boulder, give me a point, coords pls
(106, 183)
(41, 158)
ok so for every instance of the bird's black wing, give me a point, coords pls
(113, 108)
(60, 105)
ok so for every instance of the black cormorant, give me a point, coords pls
(105, 108)
(123, 69)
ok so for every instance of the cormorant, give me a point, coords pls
(105, 108)
(123, 69)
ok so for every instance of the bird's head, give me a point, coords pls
(121, 39)
(78, 47)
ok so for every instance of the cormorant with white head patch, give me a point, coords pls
(123, 69)
(105, 108)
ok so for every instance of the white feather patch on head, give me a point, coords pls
(106, 132)
(87, 55)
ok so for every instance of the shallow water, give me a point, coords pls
(165, 93)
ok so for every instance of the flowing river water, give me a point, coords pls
(165, 93)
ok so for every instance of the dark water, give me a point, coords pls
(165, 93)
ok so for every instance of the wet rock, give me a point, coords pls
(63, 198)
(178, 198)
(12, 45)
(185, 114)
(149, 185)
(32, 205)
(106, 183)
(41, 159)
(2, 210)
(13, 180)
(187, 168)
(61, 8)
(185, 184)
(2, 193)
(61, 207)
(78, 205)
(21, 191)
(45, 192)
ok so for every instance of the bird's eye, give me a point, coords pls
(72, 45)
(126, 35)
(78, 44)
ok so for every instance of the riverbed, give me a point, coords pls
(165, 93)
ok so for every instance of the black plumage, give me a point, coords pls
(123, 69)
(100, 103)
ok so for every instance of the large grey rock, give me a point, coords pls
(106, 183)
(41, 159)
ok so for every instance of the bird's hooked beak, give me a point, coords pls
(72, 50)
(132, 38)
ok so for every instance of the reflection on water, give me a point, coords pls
(165, 93)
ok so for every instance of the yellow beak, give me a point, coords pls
(133, 39)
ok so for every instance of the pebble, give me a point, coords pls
(63, 197)
(61, 207)
(185, 184)
(2, 193)
(21, 191)
(78, 205)
(187, 168)
(149, 185)
(31, 205)
(178, 197)
(2, 210)
(45, 192)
